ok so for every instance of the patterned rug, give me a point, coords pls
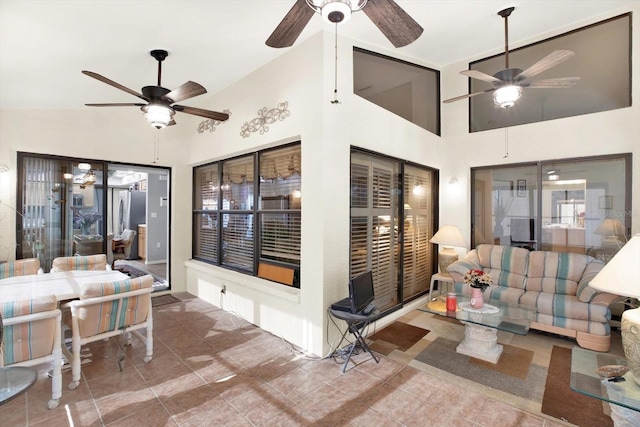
(397, 335)
(513, 374)
(561, 402)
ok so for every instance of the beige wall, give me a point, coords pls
(303, 76)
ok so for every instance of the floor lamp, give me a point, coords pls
(621, 276)
(447, 237)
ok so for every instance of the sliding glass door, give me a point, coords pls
(60, 208)
(393, 207)
(571, 205)
(69, 207)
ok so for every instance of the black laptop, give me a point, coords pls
(342, 305)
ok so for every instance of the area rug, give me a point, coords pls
(163, 300)
(513, 374)
(401, 335)
(560, 401)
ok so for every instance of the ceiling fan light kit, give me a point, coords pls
(506, 96)
(158, 116)
(336, 11)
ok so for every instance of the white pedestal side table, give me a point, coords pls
(442, 278)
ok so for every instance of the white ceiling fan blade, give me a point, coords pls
(560, 82)
(470, 95)
(475, 74)
(551, 60)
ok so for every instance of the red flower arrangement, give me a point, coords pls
(478, 279)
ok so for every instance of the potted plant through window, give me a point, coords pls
(479, 282)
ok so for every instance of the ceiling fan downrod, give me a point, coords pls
(505, 14)
(160, 55)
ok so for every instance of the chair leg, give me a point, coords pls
(75, 362)
(149, 340)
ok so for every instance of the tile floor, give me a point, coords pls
(212, 368)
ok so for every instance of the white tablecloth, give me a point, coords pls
(65, 285)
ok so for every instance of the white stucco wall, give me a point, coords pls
(303, 76)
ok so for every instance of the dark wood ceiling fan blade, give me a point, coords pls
(396, 24)
(551, 60)
(475, 74)
(103, 79)
(470, 95)
(185, 91)
(287, 32)
(200, 112)
(117, 104)
(560, 82)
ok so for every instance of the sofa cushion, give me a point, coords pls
(493, 292)
(555, 272)
(565, 307)
(507, 265)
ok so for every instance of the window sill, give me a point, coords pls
(245, 281)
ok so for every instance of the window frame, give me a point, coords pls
(398, 243)
(539, 211)
(255, 211)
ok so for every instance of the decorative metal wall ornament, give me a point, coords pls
(265, 117)
(210, 124)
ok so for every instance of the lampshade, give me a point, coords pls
(448, 235)
(506, 96)
(621, 275)
(158, 116)
(610, 227)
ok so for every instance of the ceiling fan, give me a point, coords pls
(160, 107)
(509, 83)
(391, 19)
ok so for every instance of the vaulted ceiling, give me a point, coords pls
(45, 44)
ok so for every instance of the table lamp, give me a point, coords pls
(621, 276)
(447, 237)
(611, 230)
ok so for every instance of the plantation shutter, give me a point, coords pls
(205, 222)
(373, 218)
(417, 268)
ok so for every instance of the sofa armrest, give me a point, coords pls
(586, 293)
(458, 269)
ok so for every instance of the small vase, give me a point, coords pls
(477, 300)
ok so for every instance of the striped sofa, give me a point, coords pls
(555, 283)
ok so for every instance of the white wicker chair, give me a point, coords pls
(32, 337)
(110, 309)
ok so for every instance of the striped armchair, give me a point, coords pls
(20, 267)
(110, 309)
(88, 262)
(32, 337)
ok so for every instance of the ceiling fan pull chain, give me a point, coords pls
(506, 133)
(156, 147)
(335, 69)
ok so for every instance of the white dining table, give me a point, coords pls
(65, 285)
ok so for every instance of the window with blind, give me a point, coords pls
(392, 220)
(247, 221)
